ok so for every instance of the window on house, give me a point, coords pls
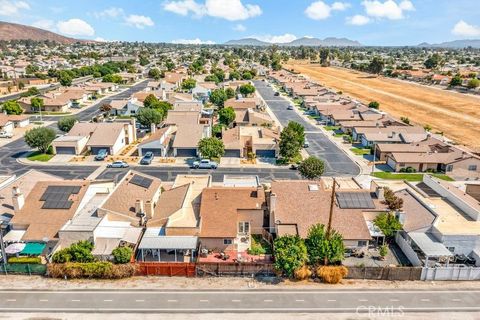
(449, 168)
(401, 164)
(472, 167)
(362, 243)
(227, 241)
(244, 227)
(451, 249)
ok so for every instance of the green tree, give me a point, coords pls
(189, 84)
(150, 100)
(65, 124)
(143, 61)
(376, 65)
(433, 61)
(325, 57)
(40, 138)
(12, 107)
(65, 78)
(321, 248)
(37, 103)
(388, 223)
(147, 116)
(374, 105)
(218, 97)
(290, 254)
(155, 73)
(122, 255)
(162, 107)
(456, 81)
(292, 139)
(113, 78)
(247, 89)
(311, 168)
(230, 93)
(77, 252)
(32, 91)
(211, 148)
(473, 83)
(226, 116)
(276, 65)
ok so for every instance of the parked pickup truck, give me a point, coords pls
(205, 164)
(4, 134)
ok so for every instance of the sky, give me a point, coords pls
(371, 22)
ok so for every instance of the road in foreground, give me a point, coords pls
(337, 163)
(378, 302)
(456, 114)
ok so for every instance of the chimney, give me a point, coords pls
(380, 192)
(18, 199)
(149, 209)
(139, 207)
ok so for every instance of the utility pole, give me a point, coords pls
(330, 216)
(374, 157)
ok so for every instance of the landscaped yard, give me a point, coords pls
(331, 128)
(38, 156)
(360, 151)
(413, 177)
(259, 246)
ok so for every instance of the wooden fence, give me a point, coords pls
(234, 269)
(166, 269)
(387, 273)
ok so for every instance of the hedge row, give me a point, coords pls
(25, 260)
(97, 270)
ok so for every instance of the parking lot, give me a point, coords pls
(336, 161)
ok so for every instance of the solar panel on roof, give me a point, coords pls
(355, 200)
(56, 197)
(141, 181)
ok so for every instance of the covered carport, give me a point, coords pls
(156, 247)
(431, 249)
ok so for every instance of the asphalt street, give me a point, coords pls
(337, 163)
(376, 302)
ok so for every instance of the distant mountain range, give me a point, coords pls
(456, 44)
(306, 42)
(12, 31)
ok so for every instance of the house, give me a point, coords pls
(153, 86)
(158, 142)
(242, 104)
(297, 205)
(201, 92)
(441, 79)
(175, 78)
(129, 78)
(48, 206)
(240, 141)
(19, 121)
(189, 132)
(251, 117)
(52, 103)
(368, 137)
(6, 124)
(111, 136)
(230, 216)
(125, 107)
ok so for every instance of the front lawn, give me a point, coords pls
(38, 156)
(331, 128)
(412, 177)
(361, 152)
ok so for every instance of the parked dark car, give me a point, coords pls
(101, 155)
(147, 158)
(276, 94)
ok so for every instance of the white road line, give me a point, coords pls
(299, 300)
(172, 300)
(456, 300)
(267, 300)
(362, 300)
(235, 300)
(139, 300)
(75, 300)
(107, 300)
(203, 300)
(425, 300)
(250, 292)
(43, 300)
(331, 300)
(11, 300)
(394, 300)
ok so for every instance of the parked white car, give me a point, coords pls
(4, 134)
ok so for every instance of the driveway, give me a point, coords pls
(337, 163)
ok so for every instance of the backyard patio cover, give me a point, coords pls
(429, 246)
(33, 248)
(169, 243)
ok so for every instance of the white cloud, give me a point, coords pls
(139, 21)
(240, 28)
(8, 7)
(319, 10)
(232, 10)
(75, 27)
(388, 9)
(44, 24)
(111, 12)
(100, 39)
(340, 6)
(284, 38)
(464, 29)
(192, 41)
(358, 20)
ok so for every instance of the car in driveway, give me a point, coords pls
(205, 164)
(101, 155)
(306, 144)
(276, 94)
(118, 164)
(290, 107)
(147, 158)
(4, 134)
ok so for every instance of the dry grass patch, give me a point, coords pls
(332, 274)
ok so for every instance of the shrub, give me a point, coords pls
(122, 254)
(77, 252)
(94, 270)
(65, 124)
(25, 260)
(290, 254)
(383, 251)
(332, 274)
(303, 273)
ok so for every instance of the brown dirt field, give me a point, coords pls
(455, 114)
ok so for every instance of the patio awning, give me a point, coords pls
(374, 230)
(14, 235)
(105, 246)
(15, 248)
(429, 245)
(33, 248)
(169, 243)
